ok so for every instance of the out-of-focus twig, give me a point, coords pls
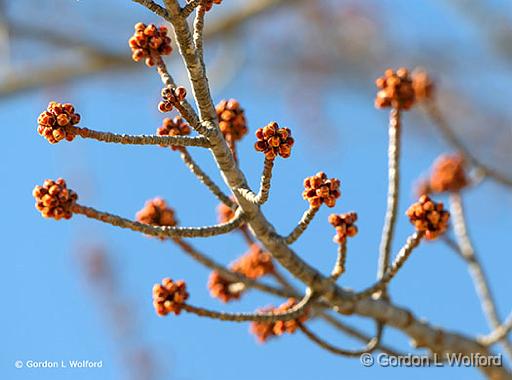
(479, 278)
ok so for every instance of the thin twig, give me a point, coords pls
(109, 137)
(265, 317)
(205, 179)
(189, 8)
(266, 177)
(184, 107)
(307, 217)
(499, 333)
(339, 266)
(370, 346)
(154, 7)
(412, 242)
(432, 111)
(393, 192)
(160, 231)
(355, 333)
(479, 278)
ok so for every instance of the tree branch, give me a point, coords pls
(153, 7)
(157, 231)
(266, 177)
(265, 317)
(393, 192)
(109, 137)
(499, 333)
(339, 266)
(189, 8)
(307, 217)
(370, 346)
(205, 179)
(412, 242)
(480, 280)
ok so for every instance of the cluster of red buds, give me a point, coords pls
(448, 174)
(157, 213)
(265, 330)
(422, 85)
(54, 199)
(223, 289)
(319, 189)
(395, 90)
(232, 121)
(429, 217)
(274, 141)
(149, 42)
(170, 97)
(209, 4)
(54, 122)
(345, 227)
(169, 296)
(174, 127)
(254, 264)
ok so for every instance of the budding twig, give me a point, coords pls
(265, 317)
(266, 177)
(157, 231)
(339, 266)
(205, 179)
(412, 242)
(393, 191)
(307, 217)
(432, 111)
(109, 137)
(184, 107)
(480, 280)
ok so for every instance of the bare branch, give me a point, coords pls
(357, 334)
(205, 179)
(499, 333)
(412, 242)
(154, 7)
(189, 8)
(109, 137)
(266, 177)
(339, 266)
(393, 192)
(157, 231)
(370, 346)
(198, 32)
(265, 317)
(480, 280)
(307, 217)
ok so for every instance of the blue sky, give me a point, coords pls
(50, 312)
